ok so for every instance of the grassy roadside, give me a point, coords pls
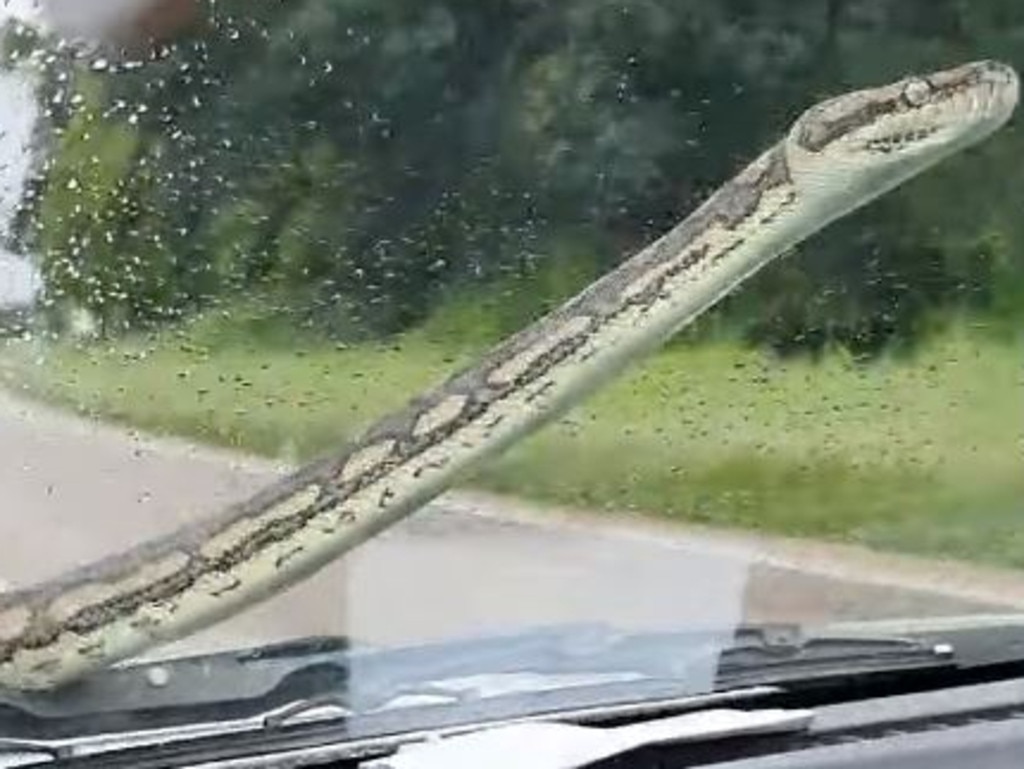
(922, 455)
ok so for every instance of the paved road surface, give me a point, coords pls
(72, 490)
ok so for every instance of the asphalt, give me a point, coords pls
(72, 490)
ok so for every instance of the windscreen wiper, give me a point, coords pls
(327, 689)
(246, 682)
(783, 653)
(321, 729)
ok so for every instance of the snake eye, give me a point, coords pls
(916, 92)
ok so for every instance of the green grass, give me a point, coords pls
(923, 454)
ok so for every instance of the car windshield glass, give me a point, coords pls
(259, 260)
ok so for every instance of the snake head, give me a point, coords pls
(871, 140)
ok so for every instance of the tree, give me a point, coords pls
(369, 159)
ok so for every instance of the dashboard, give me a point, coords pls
(966, 726)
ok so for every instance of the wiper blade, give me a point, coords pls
(782, 653)
(576, 672)
(316, 728)
(547, 661)
(315, 689)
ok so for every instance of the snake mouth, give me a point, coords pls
(970, 100)
(985, 92)
(898, 141)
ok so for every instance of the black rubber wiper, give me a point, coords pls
(320, 689)
(575, 664)
(784, 654)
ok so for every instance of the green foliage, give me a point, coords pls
(920, 453)
(17, 42)
(374, 164)
(100, 246)
(470, 317)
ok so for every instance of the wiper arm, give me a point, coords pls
(781, 653)
(319, 686)
(584, 658)
(323, 727)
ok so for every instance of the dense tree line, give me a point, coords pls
(359, 162)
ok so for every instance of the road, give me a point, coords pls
(72, 490)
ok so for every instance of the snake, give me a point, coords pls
(835, 157)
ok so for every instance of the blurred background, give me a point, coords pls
(287, 217)
(366, 161)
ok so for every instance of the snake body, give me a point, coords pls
(837, 156)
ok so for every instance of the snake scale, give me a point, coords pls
(837, 156)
